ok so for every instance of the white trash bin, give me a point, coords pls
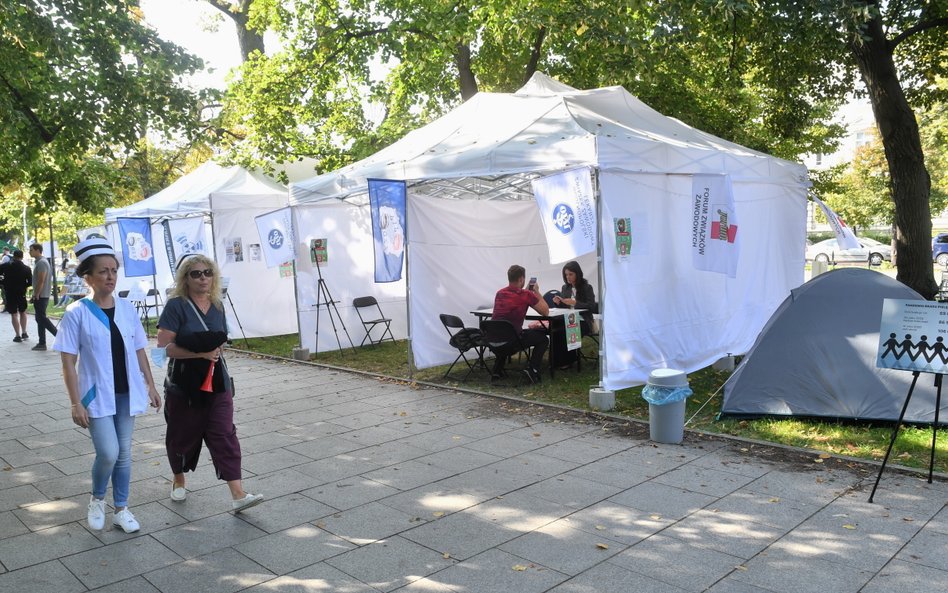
(666, 422)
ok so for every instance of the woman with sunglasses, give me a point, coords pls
(194, 415)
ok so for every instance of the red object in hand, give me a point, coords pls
(207, 385)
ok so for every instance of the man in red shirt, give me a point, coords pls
(511, 303)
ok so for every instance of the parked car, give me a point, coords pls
(871, 250)
(940, 249)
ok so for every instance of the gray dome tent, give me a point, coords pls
(816, 357)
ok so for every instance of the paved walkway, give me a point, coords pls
(376, 486)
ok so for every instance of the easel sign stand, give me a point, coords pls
(324, 299)
(913, 337)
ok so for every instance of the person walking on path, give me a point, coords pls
(112, 382)
(42, 289)
(195, 414)
(16, 279)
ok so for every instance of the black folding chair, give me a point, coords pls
(504, 341)
(464, 339)
(147, 305)
(369, 322)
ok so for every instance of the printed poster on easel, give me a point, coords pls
(912, 336)
(318, 251)
(574, 337)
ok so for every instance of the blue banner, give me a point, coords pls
(387, 199)
(137, 251)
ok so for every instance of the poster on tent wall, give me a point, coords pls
(184, 236)
(137, 251)
(568, 212)
(844, 235)
(912, 336)
(276, 237)
(387, 202)
(715, 246)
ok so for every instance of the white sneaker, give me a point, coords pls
(125, 521)
(96, 514)
(179, 493)
(250, 500)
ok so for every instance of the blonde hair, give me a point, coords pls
(188, 263)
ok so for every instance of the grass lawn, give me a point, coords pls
(570, 388)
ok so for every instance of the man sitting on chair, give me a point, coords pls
(511, 303)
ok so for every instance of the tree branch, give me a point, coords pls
(922, 26)
(535, 53)
(223, 6)
(46, 134)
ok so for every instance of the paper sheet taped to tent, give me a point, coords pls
(817, 356)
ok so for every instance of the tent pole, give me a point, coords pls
(296, 294)
(600, 260)
(411, 367)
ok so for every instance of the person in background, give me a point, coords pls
(577, 293)
(6, 257)
(42, 289)
(16, 279)
(193, 415)
(511, 303)
(106, 372)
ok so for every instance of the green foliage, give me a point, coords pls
(81, 79)
(326, 94)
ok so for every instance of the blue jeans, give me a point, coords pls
(112, 439)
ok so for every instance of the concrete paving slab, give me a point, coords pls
(907, 576)
(350, 493)
(10, 526)
(432, 501)
(119, 561)
(316, 578)
(204, 536)
(283, 512)
(368, 523)
(677, 563)
(409, 474)
(40, 546)
(570, 491)
(616, 522)
(48, 577)
(390, 563)
(223, 571)
(494, 571)
(810, 575)
(562, 548)
(609, 578)
(132, 585)
(724, 532)
(292, 549)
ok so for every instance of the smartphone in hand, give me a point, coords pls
(532, 283)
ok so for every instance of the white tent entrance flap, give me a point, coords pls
(344, 232)
(460, 252)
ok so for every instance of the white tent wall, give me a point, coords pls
(659, 310)
(263, 300)
(348, 273)
(460, 251)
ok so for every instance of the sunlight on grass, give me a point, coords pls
(571, 388)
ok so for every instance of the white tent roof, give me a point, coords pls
(191, 195)
(493, 144)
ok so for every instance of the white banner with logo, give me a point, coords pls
(276, 236)
(715, 243)
(568, 212)
(844, 235)
(184, 236)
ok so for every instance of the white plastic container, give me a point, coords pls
(666, 422)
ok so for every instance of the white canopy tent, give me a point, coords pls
(471, 214)
(228, 199)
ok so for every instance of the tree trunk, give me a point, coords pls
(249, 41)
(911, 184)
(465, 73)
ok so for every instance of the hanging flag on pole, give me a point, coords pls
(715, 243)
(276, 236)
(387, 201)
(184, 236)
(844, 235)
(568, 212)
(137, 250)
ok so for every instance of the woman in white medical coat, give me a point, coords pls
(102, 345)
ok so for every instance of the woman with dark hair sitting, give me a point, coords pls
(196, 414)
(103, 337)
(577, 293)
